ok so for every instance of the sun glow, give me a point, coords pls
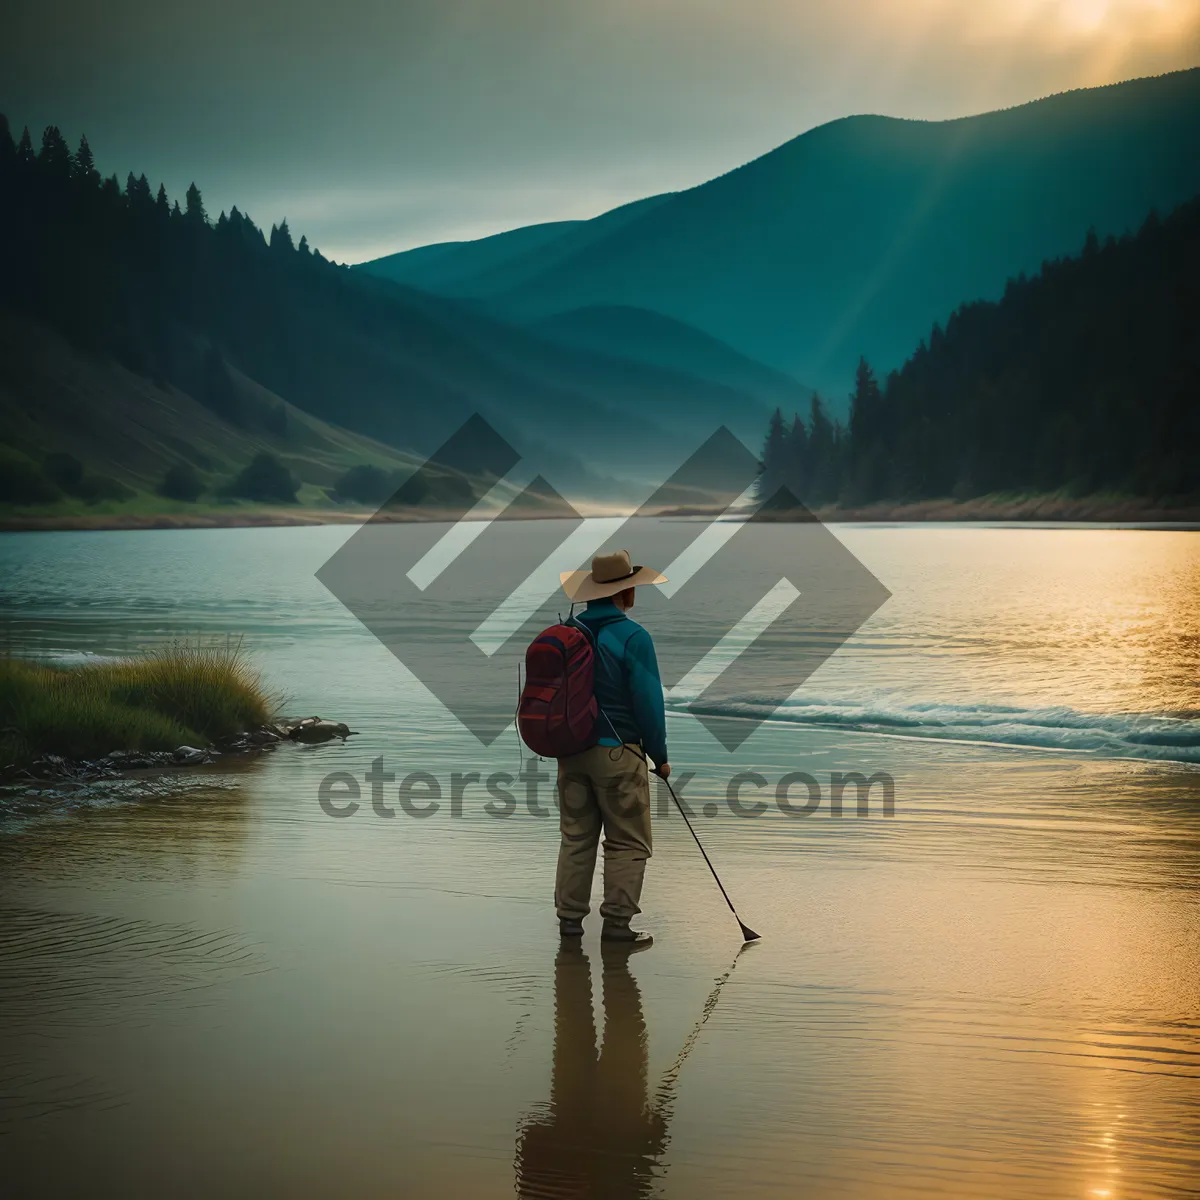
(1085, 15)
(1100, 20)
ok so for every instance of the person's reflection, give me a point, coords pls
(598, 1136)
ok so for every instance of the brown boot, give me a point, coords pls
(623, 935)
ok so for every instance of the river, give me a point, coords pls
(232, 989)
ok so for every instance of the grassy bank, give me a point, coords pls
(184, 695)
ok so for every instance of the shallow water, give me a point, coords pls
(993, 992)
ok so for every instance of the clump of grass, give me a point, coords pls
(184, 694)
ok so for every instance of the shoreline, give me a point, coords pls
(263, 519)
(1022, 510)
(1031, 509)
(59, 771)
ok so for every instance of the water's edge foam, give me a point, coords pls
(1147, 736)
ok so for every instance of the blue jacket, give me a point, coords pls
(628, 686)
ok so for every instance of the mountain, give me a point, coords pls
(856, 236)
(650, 337)
(492, 264)
(440, 267)
(573, 398)
(257, 330)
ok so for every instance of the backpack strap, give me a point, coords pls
(598, 659)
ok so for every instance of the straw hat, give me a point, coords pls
(610, 574)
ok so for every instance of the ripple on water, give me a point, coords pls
(70, 969)
(63, 972)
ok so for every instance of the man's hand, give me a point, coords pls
(663, 769)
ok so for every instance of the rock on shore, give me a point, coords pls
(57, 767)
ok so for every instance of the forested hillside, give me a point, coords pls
(248, 324)
(1083, 377)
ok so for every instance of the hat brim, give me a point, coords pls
(579, 585)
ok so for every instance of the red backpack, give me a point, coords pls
(557, 713)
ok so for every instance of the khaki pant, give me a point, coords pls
(606, 787)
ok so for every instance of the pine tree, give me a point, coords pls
(281, 238)
(865, 404)
(772, 458)
(84, 165)
(137, 192)
(8, 149)
(822, 444)
(795, 473)
(195, 206)
(246, 233)
(303, 249)
(867, 436)
(54, 159)
(25, 155)
(231, 230)
(162, 207)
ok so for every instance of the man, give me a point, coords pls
(608, 787)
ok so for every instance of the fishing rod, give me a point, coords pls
(748, 934)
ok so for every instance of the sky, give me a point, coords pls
(377, 125)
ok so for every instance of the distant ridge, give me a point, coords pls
(649, 337)
(856, 236)
(440, 267)
(505, 259)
